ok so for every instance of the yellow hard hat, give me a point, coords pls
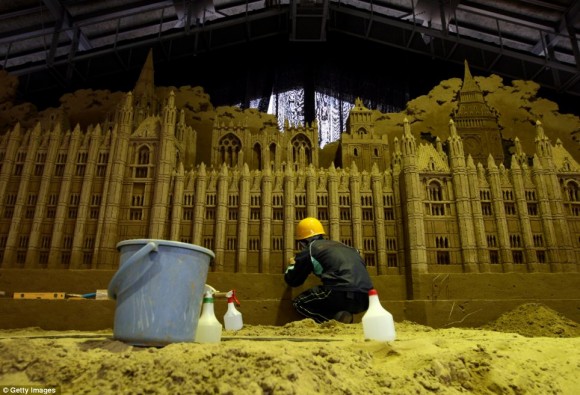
(308, 227)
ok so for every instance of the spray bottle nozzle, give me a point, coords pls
(209, 291)
(231, 295)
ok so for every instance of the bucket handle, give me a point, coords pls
(146, 249)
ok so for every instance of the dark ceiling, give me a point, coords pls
(68, 44)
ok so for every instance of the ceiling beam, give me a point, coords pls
(569, 17)
(65, 22)
(230, 14)
(457, 41)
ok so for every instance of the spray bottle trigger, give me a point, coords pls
(231, 295)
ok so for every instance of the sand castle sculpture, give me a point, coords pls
(461, 205)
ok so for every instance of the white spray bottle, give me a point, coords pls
(377, 322)
(209, 329)
(233, 318)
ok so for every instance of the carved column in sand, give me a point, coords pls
(266, 228)
(356, 210)
(523, 216)
(80, 243)
(379, 215)
(199, 207)
(177, 209)
(462, 200)
(11, 141)
(333, 204)
(545, 211)
(412, 207)
(311, 192)
(398, 208)
(108, 256)
(506, 257)
(475, 178)
(221, 218)
(55, 259)
(243, 220)
(165, 165)
(289, 215)
(14, 234)
(34, 244)
(544, 151)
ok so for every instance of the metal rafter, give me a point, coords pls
(444, 36)
(65, 21)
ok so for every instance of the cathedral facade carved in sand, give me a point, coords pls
(460, 205)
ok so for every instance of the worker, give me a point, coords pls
(345, 280)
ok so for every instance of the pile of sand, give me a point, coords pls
(302, 357)
(535, 319)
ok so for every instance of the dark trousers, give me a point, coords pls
(321, 303)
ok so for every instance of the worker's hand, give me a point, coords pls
(291, 263)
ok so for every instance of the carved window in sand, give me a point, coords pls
(392, 252)
(443, 254)
(255, 206)
(572, 195)
(322, 204)
(532, 202)
(277, 207)
(517, 248)
(367, 207)
(95, 206)
(539, 245)
(229, 149)
(210, 206)
(573, 192)
(82, 158)
(3, 240)
(369, 254)
(388, 207)
(102, 164)
(60, 164)
(19, 165)
(9, 203)
(31, 208)
(300, 206)
(233, 207)
(21, 251)
(301, 150)
(40, 160)
(137, 202)
(344, 206)
(492, 247)
(257, 156)
(485, 197)
(435, 199)
(509, 203)
(143, 161)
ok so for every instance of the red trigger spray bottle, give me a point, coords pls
(233, 318)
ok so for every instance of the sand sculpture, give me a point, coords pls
(469, 197)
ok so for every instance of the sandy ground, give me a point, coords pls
(531, 350)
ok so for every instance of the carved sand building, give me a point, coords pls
(69, 196)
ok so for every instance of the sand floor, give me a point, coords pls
(530, 350)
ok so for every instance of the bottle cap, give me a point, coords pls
(373, 292)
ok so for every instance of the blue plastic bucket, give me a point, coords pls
(159, 289)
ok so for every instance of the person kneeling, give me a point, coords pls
(341, 269)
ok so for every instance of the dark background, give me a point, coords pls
(385, 78)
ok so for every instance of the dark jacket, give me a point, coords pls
(337, 265)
